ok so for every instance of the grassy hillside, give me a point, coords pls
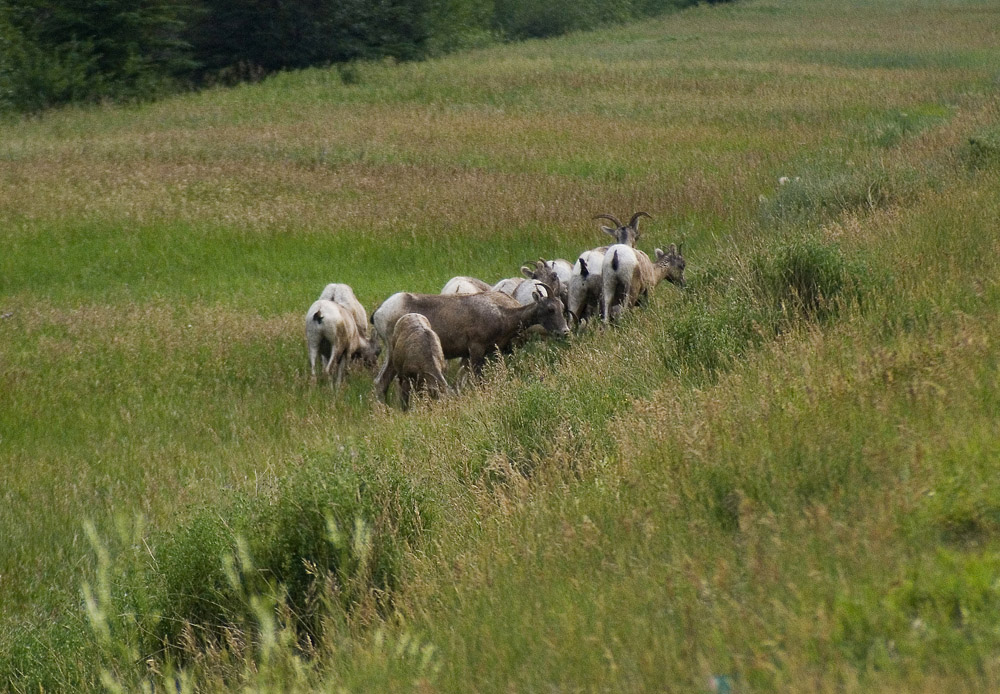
(783, 476)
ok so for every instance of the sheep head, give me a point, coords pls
(543, 273)
(670, 265)
(627, 234)
(550, 314)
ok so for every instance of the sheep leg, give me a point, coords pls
(381, 378)
(384, 380)
(338, 360)
(313, 358)
(405, 385)
(477, 358)
(341, 367)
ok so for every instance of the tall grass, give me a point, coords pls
(780, 476)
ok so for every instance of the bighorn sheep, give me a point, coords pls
(332, 335)
(414, 358)
(471, 325)
(585, 286)
(541, 278)
(465, 285)
(343, 294)
(629, 276)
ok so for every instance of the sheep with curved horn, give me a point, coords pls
(623, 233)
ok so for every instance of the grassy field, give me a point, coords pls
(783, 477)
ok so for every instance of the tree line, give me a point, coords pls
(55, 52)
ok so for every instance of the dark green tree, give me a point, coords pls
(59, 51)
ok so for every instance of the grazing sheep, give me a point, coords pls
(332, 335)
(465, 285)
(584, 289)
(541, 278)
(629, 276)
(414, 358)
(343, 294)
(471, 325)
(525, 292)
(585, 286)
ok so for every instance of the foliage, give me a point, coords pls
(57, 53)
(520, 19)
(323, 538)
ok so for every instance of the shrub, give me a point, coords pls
(738, 304)
(320, 540)
(824, 195)
(982, 150)
(803, 276)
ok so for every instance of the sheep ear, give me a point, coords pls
(526, 271)
(609, 231)
(673, 250)
(536, 296)
(659, 253)
(679, 246)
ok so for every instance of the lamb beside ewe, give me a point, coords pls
(414, 358)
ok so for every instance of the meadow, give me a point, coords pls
(783, 476)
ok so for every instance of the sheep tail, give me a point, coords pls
(318, 316)
(614, 261)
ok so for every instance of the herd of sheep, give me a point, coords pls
(470, 319)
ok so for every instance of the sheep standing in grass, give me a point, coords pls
(414, 358)
(629, 276)
(585, 286)
(471, 325)
(584, 289)
(343, 294)
(332, 338)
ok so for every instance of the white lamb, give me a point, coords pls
(332, 336)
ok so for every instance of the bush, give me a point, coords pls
(803, 277)
(737, 305)
(321, 540)
(982, 150)
(814, 198)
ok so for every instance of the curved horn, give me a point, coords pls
(610, 217)
(635, 218)
(679, 247)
